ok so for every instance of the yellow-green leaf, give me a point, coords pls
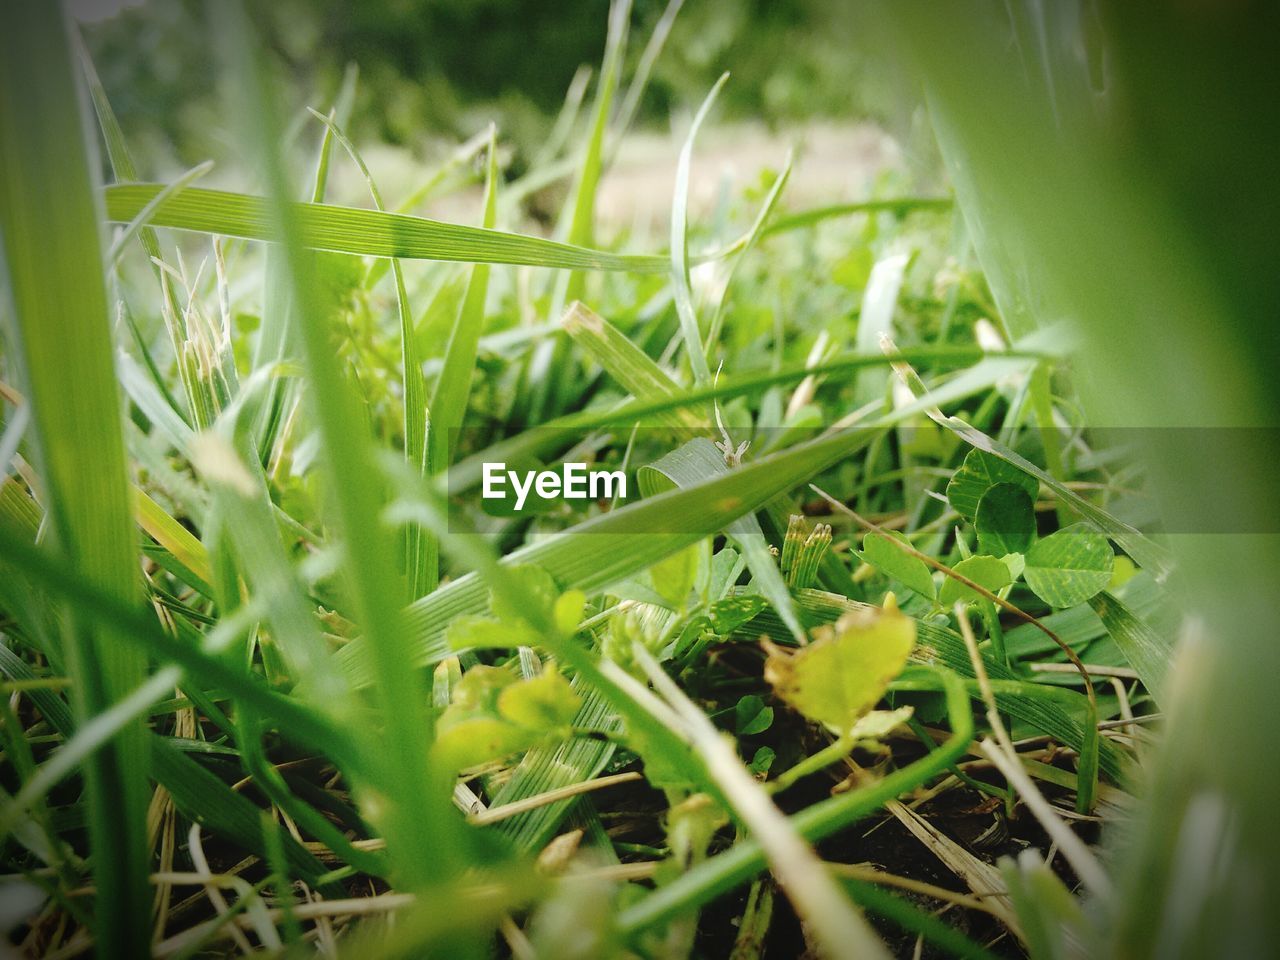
(673, 577)
(989, 572)
(841, 675)
(541, 703)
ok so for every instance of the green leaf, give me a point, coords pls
(492, 715)
(986, 572)
(979, 473)
(762, 761)
(471, 730)
(1070, 566)
(752, 716)
(844, 671)
(878, 724)
(673, 577)
(540, 586)
(471, 632)
(469, 741)
(897, 564)
(728, 614)
(1138, 545)
(1006, 520)
(567, 612)
(543, 703)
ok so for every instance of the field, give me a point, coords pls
(919, 599)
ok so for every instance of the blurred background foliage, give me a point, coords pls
(445, 68)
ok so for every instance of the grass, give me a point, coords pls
(277, 682)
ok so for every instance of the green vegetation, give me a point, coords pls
(881, 655)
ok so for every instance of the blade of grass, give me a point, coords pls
(640, 78)
(452, 389)
(752, 238)
(875, 320)
(421, 560)
(421, 828)
(1147, 650)
(203, 798)
(628, 364)
(577, 220)
(900, 206)
(174, 537)
(50, 226)
(123, 167)
(363, 232)
(696, 461)
(680, 246)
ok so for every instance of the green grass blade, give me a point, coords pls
(696, 461)
(421, 560)
(449, 397)
(876, 320)
(363, 232)
(577, 223)
(181, 544)
(628, 364)
(680, 246)
(582, 222)
(50, 225)
(1148, 651)
(415, 816)
(204, 798)
(901, 206)
(640, 79)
